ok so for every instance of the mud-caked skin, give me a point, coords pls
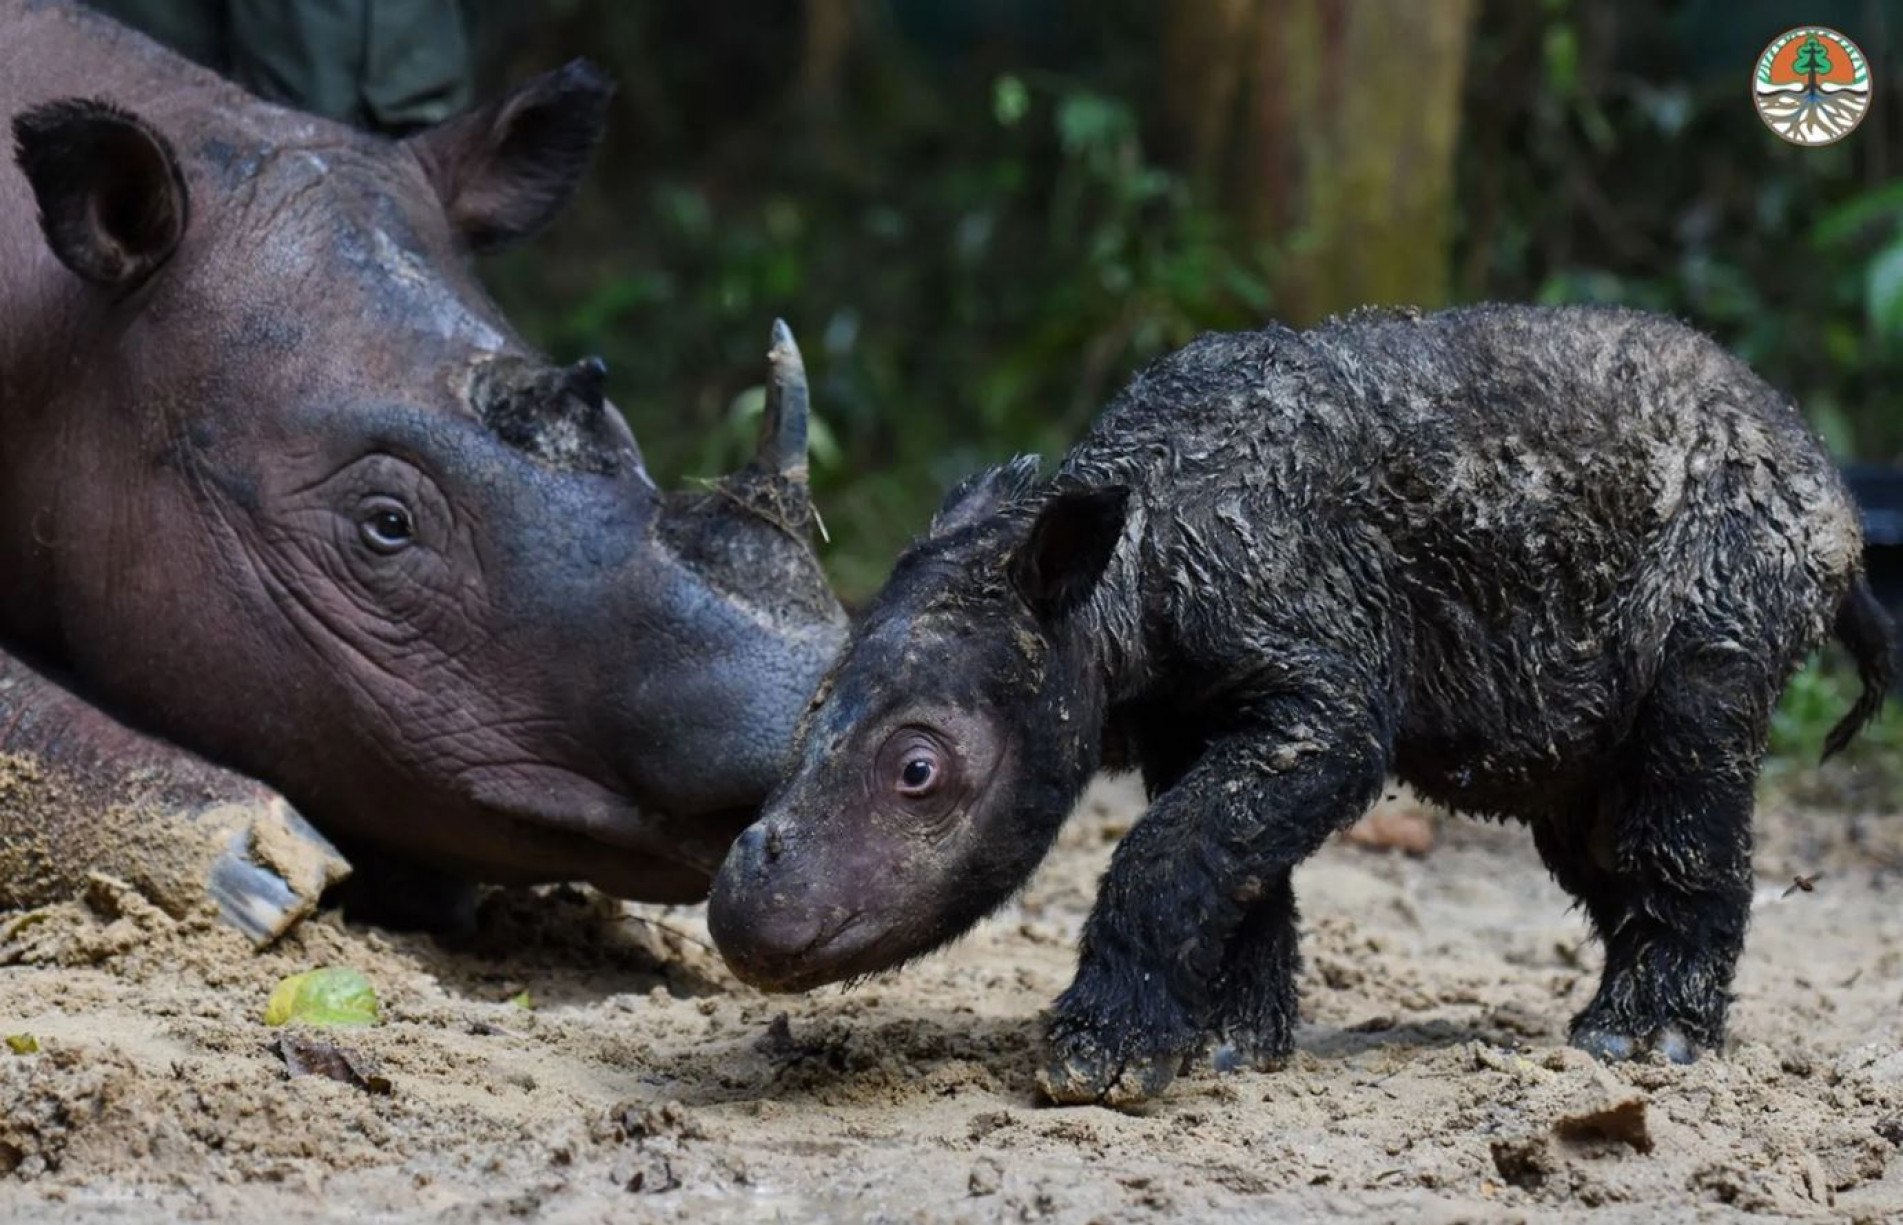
(279, 485)
(1552, 565)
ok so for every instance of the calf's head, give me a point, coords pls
(943, 750)
(323, 517)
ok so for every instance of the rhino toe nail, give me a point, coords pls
(1138, 1082)
(253, 899)
(1604, 1045)
(1063, 1082)
(1079, 1072)
(272, 873)
(1674, 1046)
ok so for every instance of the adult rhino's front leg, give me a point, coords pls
(1171, 957)
(81, 793)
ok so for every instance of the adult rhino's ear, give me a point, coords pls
(983, 492)
(1070, 543)
(111, 196)
(504, 170)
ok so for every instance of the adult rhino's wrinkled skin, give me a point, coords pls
(279, 485)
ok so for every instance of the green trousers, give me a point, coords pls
(385, 65)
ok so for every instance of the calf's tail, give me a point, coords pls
(1865, 630)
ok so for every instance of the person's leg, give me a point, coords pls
(392, 66)
(196, 29)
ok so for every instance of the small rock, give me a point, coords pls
(645, 1173)
(986, 1177)
(777, 1042)
(639, 1122)
(985, 1122)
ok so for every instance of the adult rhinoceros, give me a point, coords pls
(281, 488)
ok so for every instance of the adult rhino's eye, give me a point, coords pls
(386, 526)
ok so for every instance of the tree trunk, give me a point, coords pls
(828, 34)
(1327, 129)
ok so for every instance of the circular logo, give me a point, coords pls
(1812, 86)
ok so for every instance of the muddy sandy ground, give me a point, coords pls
(1431, 1083)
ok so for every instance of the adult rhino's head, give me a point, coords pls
(308, 506)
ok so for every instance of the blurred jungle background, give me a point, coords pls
(981, 215)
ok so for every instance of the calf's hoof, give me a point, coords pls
(1243, 1056)
(273, 870)
(1668, 1042)
(1080, 1072)
(1674, 1046)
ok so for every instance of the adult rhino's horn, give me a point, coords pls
(783, 425)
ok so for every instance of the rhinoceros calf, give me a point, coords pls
(279, 486)
(1552, 565)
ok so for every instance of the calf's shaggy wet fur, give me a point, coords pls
(1552, 565)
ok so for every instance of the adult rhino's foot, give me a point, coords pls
(1668, 1042)
(273, 871)
(83, 795)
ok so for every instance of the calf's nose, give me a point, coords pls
(761, 844)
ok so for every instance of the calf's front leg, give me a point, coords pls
(1158, 972)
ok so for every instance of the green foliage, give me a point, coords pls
(1017, 255)
(1620, 176)
(329, 995)
(1812, 57)
(978, 239)
(1817, 698)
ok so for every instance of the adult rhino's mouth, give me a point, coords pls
(552, 823)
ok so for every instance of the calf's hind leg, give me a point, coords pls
(1669, 885)
(1256, 1000)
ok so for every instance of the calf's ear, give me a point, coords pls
(111, 195)
(504, 170)
(1070, 543)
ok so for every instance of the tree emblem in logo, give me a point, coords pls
(1812, 86)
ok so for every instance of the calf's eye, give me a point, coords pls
(918, 776)
(915, 764)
